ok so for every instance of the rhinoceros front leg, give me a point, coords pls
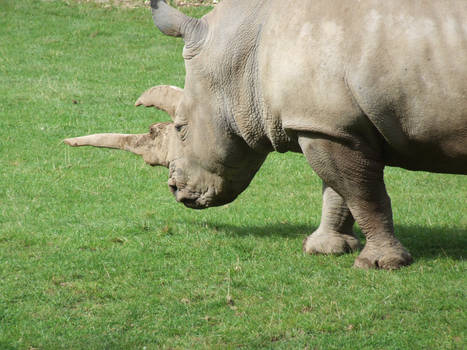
(355, 172)
(334, 234)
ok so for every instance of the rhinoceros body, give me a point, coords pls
(353, 85)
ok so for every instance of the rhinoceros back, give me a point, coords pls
(392, 72)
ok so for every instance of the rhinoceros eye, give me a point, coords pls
(181, 130)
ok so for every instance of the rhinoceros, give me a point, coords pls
(353, 85)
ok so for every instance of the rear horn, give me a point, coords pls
(164, 97)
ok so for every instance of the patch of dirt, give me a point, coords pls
(145, 3)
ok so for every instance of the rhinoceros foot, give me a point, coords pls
(389, 257)
(330, 243)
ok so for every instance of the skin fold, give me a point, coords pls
(353, 85)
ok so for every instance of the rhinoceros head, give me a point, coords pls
(208, 163)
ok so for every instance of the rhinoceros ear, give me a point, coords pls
(174, 23)
(164, 97)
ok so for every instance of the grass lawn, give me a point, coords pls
(96, 254)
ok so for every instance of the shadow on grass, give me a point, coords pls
(433, 242)
(422, 242)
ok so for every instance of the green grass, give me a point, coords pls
(96, 254)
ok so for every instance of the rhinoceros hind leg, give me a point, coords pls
(335, 234)
(355, 171)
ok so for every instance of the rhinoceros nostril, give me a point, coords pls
(173, 186)
(173, 189)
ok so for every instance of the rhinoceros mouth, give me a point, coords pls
(194, 204)
(190, 198)
(194, 201)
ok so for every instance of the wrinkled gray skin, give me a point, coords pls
(353, 85)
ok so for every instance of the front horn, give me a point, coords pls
(153, 146)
